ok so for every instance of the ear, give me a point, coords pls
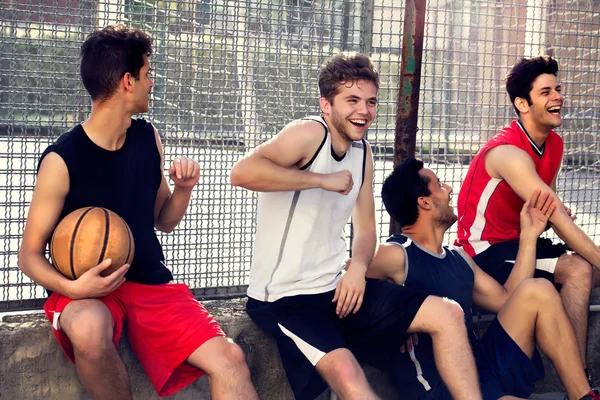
(424, 203)
(126, 81)
(522, 105)
(325, 106)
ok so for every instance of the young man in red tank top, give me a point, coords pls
(520, 159)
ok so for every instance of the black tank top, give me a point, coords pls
(125, 181)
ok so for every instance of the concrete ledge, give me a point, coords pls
(32, 366)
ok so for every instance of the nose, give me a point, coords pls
(362, 108)
(448, 188)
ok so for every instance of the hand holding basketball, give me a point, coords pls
(185, 172)
(92, 284)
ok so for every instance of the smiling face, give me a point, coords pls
(352, 109)
(546, 103)
(441, 196)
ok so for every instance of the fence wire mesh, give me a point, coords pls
(230, 74)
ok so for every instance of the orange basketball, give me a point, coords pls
(88, 236)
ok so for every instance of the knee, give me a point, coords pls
(231, 360)
(537, 291)
(90, 332)
(575, 270)
(448, 314)
(345, 371)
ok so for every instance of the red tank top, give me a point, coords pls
(488, 208)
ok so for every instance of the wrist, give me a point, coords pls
(358, 266)
(183, 190)
(67, 288)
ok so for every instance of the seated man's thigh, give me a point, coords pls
(87, 323)
(305, 329)
(504, 369)
(166, 324)
(386, 313)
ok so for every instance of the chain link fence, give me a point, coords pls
(230, 74)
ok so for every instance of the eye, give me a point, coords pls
(372, 103)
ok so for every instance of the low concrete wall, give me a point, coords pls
(32, 366)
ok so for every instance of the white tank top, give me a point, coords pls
(299, 247)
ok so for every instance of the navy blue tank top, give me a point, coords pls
(444, 275)
(125, 181)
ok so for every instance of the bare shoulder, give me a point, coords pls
(507, 158)
(388, 263)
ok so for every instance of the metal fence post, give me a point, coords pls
(410, 84)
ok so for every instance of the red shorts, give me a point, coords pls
(166, 324)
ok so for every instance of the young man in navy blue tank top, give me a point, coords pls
(529, 310)
(116, 162)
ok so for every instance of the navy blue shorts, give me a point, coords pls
(503, 368)
(306, 328)
(499, 259)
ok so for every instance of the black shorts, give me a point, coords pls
(503, 368)
(306, 328)
(498, 260)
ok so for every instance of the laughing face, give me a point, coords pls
(546, 102)
(352, 110)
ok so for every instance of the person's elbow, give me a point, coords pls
(24, 260)
(239, 175)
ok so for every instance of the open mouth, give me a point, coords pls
(554, 110)
(361, 123)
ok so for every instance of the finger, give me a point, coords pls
(102, 266)
(409, 346)
(549, 203)
(359, 302)
(345, 304)
(402, 349)
(525, 208)
(118, 274)
(415, 339)
(545, 199)
(341, 301)
(349, 304)
(535, 197)
(337, 292)
(196, 170)
(177, 165)
(190, 168)
(116, 285)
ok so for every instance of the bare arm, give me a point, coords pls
(388, 263)
(275, 165)
(350, 289)
(487, 292)
(52, 186)
(363, 219)
(522, 177)
(170, 207)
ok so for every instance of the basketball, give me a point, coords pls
(88, 236)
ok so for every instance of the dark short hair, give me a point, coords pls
(109, 53)
(345, 67)
(401, 190)
(519, 81)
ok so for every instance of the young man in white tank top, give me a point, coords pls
(312, 177)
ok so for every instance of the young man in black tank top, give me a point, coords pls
(529, 310)
(116, 162)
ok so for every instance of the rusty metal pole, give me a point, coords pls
(410, 84)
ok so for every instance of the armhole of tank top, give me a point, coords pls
(405, 262)
(364, 163)
(463, 257)
(308, 164)
(155, 146)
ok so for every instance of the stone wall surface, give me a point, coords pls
(32, 366)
